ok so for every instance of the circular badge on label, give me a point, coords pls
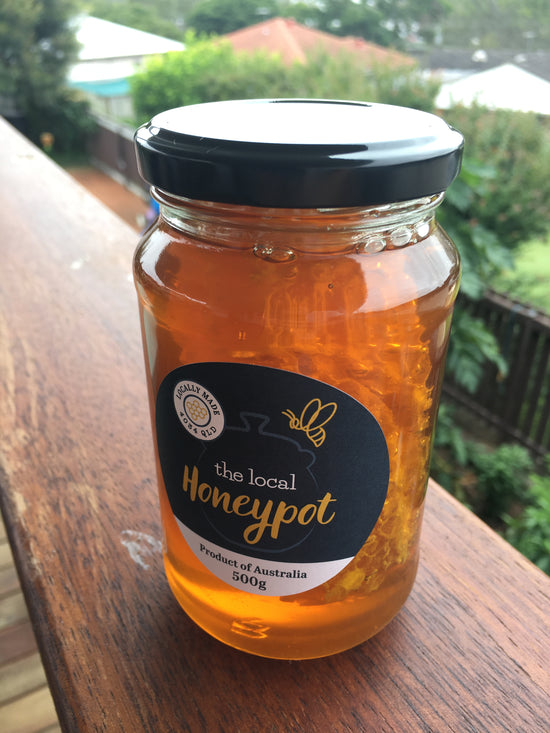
(198, 410)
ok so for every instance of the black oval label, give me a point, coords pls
(276, 479)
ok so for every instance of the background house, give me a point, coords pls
(503, 87)
(495, 79)
(109, 55)
(293, 41)
(451, 63)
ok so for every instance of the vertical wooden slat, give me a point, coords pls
(538, 386)
(542, 437)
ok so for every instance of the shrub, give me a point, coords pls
(472, 346)
(499, 485)
(206, 71)
(66, 117)
(483, 256)
(499, 201)
(491, 482)
(450, 455)
(343, 76)
(502, 479)
(530, 531)
(514, 204)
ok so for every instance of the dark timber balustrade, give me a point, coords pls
(516, 403)
(468, 652)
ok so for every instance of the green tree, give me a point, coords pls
(344, 76)
(223, 16)
(472, 345)
(205, 71)
(386, 22)
(500, 24)
(172, 12)
(513, 202)
(37, 45)
(349, 18)
(136, 15)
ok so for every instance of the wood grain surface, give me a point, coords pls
(469, 651)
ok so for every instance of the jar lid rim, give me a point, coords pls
(298, 153)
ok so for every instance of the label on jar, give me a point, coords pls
(276, 480)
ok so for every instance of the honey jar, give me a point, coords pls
(296, 297)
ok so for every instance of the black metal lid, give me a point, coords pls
(292, 153)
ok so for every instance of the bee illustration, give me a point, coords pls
(312, 419)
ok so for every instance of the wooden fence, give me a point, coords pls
(517, 404)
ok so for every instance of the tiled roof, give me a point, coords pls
(293, 41)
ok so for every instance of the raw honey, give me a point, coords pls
(294, 356)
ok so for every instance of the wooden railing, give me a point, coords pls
(111, 148)
(517, 403)
(468, 652)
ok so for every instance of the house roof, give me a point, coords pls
(504, 87)
(479, 59)
(293, 41)
(111, 52)
(100, 39)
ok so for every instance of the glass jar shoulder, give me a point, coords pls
(171, 261)
(401, 275)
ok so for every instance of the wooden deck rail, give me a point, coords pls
(518, 403)
(469, 651)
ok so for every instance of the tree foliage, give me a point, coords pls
(513, 202)
(387, 22)
(37, 45)
(530, 531)
(504, 24)
(206, 71)
(210, 70)
(138, 15)
(344, 18)
(223, 16)
(496, 24)
(472, 345)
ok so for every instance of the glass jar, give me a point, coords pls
(295, 296)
